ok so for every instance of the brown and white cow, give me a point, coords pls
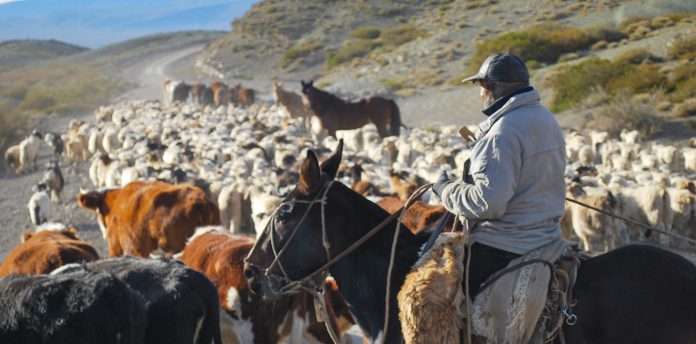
(52, 246)
(145, 216)
(219, 255)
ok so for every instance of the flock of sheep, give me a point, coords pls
(254, 152)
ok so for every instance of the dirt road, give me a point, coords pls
(15, 191)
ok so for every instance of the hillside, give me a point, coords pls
(71, 86)
(15, 53)
(417, 51)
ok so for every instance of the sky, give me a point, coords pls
(95, 23)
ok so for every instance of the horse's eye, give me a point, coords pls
(284, 211)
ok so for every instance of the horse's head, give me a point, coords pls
(309, 93)
(295, 240)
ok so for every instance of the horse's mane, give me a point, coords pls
(326, 97)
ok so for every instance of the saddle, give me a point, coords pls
(526, 302)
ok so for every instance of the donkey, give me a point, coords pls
(338, 114)
(635, 294)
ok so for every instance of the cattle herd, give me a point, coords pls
(181, 187)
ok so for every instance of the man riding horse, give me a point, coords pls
(512, 197)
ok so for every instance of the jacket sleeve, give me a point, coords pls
(494, 181)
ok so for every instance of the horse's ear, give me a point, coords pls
(303, 83)
(310, 175)
(330, 165)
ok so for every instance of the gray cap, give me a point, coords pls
(502, 67)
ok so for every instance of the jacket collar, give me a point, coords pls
(504, 105)
(491, 109)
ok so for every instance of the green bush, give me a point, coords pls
(572, 84)
(349, 50)
(636, 79)
(366, 33)
(544, 43)
(388, 38)
(636, 56)
(394, 84)
(683, 48)
(682, 84)
(299, 50)
(398, 35)
(32, 91)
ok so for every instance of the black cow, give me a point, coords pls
(78, 307)
(182, 304)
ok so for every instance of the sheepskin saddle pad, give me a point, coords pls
(512, 309)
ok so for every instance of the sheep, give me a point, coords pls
(56, 143)
(53, 179)
(29, 151)
(590, 225)
(630, 136)
(12, 157)
(39, 205)
(689, 159)
(76, 147)
(647, 204)
(94, 144)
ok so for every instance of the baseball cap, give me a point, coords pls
(502, 67)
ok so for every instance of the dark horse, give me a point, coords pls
(338, 114)
(635, 294)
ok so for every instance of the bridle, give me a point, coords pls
(312, 282)
(308, 282)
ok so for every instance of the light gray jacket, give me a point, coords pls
(517, 165)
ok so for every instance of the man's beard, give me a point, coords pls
(487, 99)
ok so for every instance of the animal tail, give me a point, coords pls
(395, 124)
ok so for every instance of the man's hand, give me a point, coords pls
(440, 184)
(467, 134)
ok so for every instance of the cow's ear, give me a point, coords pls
(26, 236)
(91, 200)
(330, 165)
(691, 187)
(310, 174)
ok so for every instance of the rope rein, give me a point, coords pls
(634, 222)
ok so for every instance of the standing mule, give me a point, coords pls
(338, 114)
(636, 294)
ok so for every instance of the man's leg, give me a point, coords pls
(485, 261)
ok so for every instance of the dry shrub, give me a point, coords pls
(299, 50)
(366, 33)
(685, 109)
(622, 113)
(682, 48)
(544, 43)
(350, 50)
(572, 84)
(683, 82)
(401, 34)
(636, 56)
